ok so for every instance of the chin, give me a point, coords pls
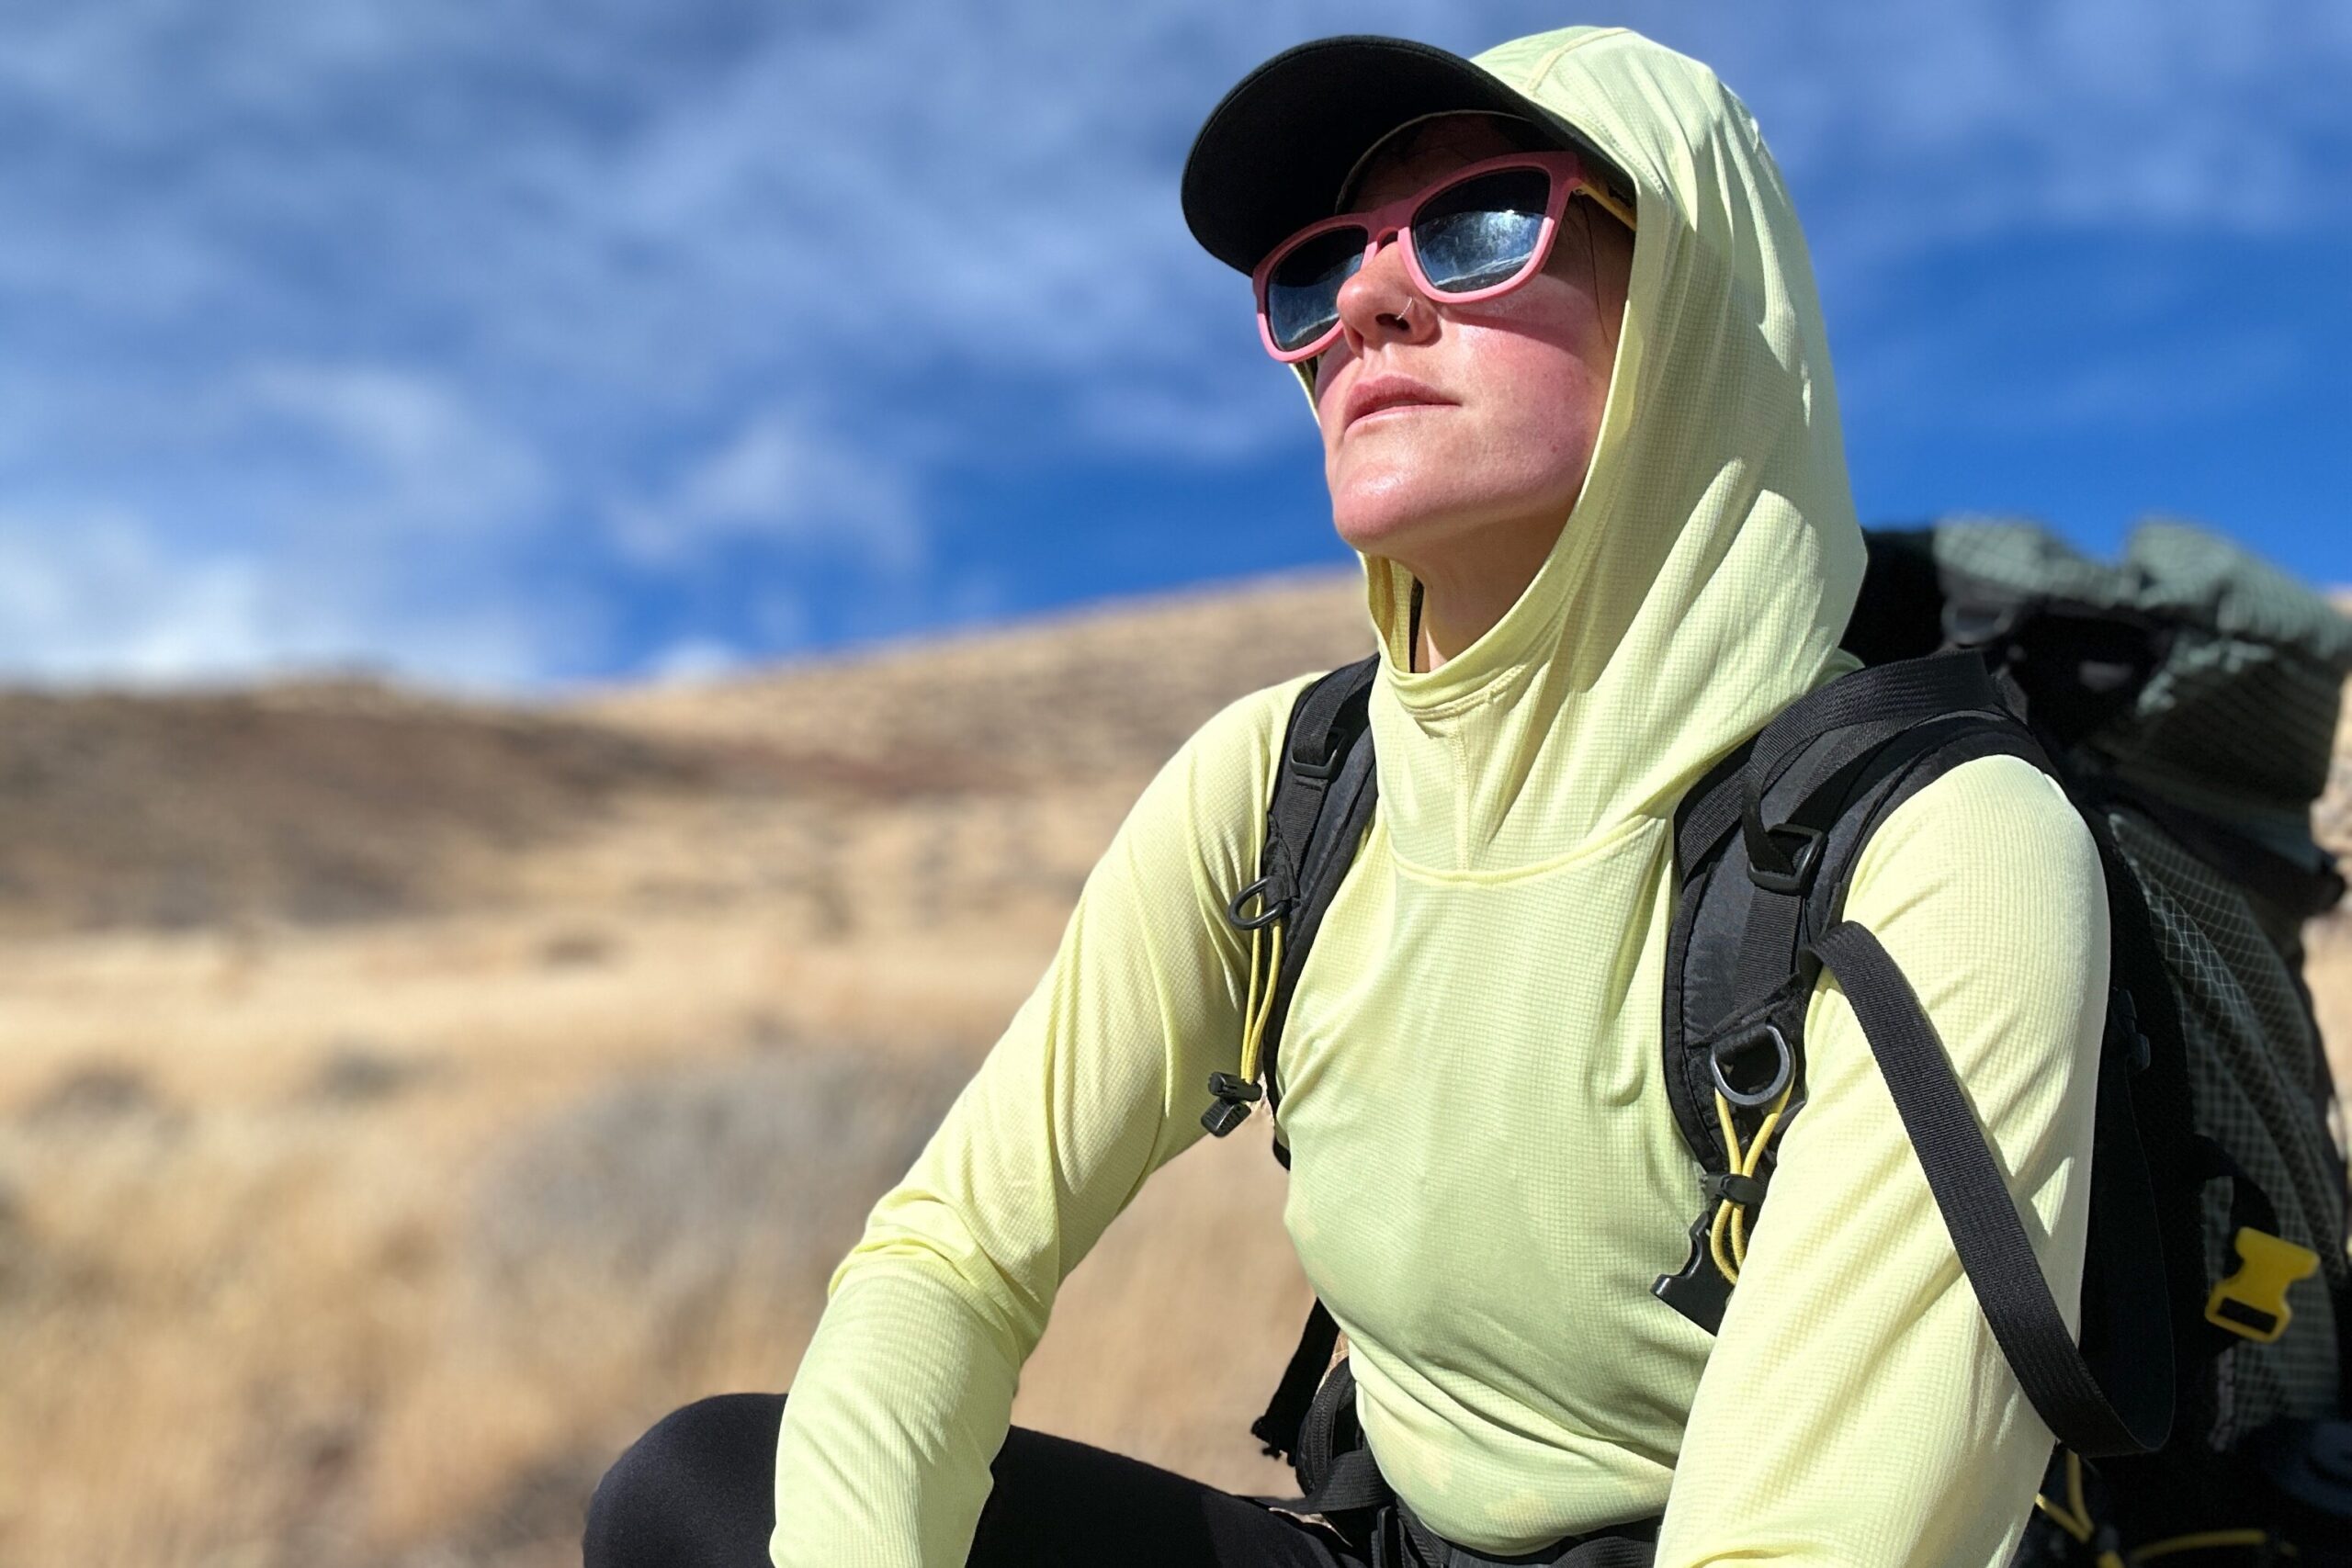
(1380, 533)
(1405, 521)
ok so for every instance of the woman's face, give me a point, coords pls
(1504, 396)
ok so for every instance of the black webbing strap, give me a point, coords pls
(1278, 1427)
(1631, 1545)
(1354, 1486)
(1863, 710)
(1718, 802)
(1324, 791)
(1710, 811)
(1328, 715)
(1342, 1483)
(1838, 732)
(1991, 1238)
(1335, 1464)
(1903, 692)
(1613, 1551)
(1330, 850)
(1896, 695)
(1857, 759)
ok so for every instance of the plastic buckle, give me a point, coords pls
(2123, 1023)
(1306, 766)
(2252, 1301)
(1803, 859)
(1698, 1290)
(1235, 1096)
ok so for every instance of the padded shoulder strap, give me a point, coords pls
(1804, 794)
(1763, 914)
(1324, 793)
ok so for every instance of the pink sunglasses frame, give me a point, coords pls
(1568, 173)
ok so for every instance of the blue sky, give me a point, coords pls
(507, 344)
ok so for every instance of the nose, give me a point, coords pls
(1379, 304)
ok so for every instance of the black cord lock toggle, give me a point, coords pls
(1235, 1096)
(1731, 1187)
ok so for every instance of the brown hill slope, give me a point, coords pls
(1108, 689)
(306, 803)
(348, 801)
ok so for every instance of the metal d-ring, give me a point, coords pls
(1732, 1045)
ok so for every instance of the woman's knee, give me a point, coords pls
(698, 1487)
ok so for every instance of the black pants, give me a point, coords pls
(699, 1491)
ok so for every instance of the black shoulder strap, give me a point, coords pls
(1324, 794)
(1805, 795)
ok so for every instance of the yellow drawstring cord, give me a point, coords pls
(2075, 1518)
(1254, 1013)
(1742, 1163)
(2207, 1540)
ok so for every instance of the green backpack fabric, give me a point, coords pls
(2195, 690)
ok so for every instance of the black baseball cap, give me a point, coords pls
(1271, 156)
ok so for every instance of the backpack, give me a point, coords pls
(2187, 702)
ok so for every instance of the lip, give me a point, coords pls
(1387, 392)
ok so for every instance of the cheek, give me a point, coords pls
(1530, 371)
(1330, 393)
(1537, 401)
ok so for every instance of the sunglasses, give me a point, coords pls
(1482, 230)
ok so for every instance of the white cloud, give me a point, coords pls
(93, 595)
(1911, 126)
(784, 477)
(692, 660)
(104, 599)
(426, 460)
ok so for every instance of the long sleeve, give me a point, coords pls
(1856, 1408)
(905, 1394)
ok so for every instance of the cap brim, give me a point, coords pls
(1271, 156)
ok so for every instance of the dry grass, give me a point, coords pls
(327, 1240)
(368, 1188)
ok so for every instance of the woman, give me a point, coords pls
(1600, 494)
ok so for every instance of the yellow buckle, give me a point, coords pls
(2252, 1303)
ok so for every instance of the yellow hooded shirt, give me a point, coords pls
(1485, 1173)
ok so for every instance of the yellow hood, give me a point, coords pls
(1704, 576)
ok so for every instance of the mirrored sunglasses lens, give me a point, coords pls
(1303, 289)
(1476, 234)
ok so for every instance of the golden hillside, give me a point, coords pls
(407, 1102)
